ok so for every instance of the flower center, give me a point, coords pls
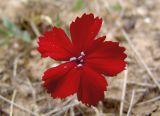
(79, 60)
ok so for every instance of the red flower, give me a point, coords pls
(87, 58)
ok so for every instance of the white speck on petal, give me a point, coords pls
(65, 66)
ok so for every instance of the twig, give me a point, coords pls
(18, 106)
(96, 110)
(123, 91)
(35, 29)
(107, 5)
(4, 112)
(33, 90)
(151, 100)
(80, 110)
(141, 90)
(15, 63)
(131, 103)
(15, 66)
(13, 98)
(121, 3)
(96, 6)
(141, 84)
(41, 98)
(72, 112)
(57, 109)
(75, 102)
(37, 83)
(63, 109)
(140, 58)
(4, 85)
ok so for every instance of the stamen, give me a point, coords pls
(79, 65)
(81, 61)
(82, 53)
(72, 58)
(80, 57)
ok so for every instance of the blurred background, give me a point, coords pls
(133, 23)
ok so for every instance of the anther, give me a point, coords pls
(82, 53)
(79, 65)
(72, 58)
(80, 57)
(81, 61)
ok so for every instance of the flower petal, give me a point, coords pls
(95, 44)
(62, 81)
(107, 59)
(55, 44)
(84, 30)
(92, 87)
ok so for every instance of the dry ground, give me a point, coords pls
(134, 23)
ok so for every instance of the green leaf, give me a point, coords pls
(11, 27)
(26, 37)
(116, 7)
(13, 30)
(5, 33)
(3, 41)
(67, 31)
(78, 5)
(58, 22)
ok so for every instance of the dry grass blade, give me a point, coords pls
(13, 98)
(140, 58)
(107, 5)
(131, 103)
(4, 112)
(62, 109)
(18, 106)
(35, 29)
(141, 91)
(67, 107)
(141, 84)
(148, 101)
(4, 85)
(72, 112)
(123, 91)
(69, 103)
(33, 90)
(96, 110)
(15, 63)
(81, 111)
